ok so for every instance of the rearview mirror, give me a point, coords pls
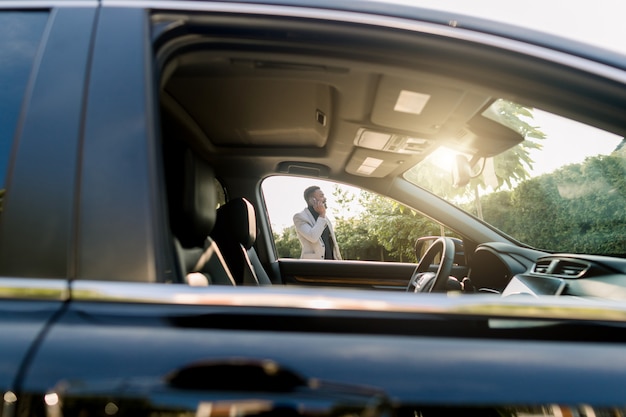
(461, 171)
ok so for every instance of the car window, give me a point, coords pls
(368, 226)
(561, 189)
(20, 33)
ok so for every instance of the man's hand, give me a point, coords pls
(319, 207)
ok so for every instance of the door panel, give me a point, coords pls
(119, 201)
(37, 213)
(43, 59)
(158, 349)
(26, 308)
(372, 275)
(360, 274)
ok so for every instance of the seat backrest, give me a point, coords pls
(235, 234)
(192, 202)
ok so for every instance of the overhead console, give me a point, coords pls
(419, 106)
(411, 118)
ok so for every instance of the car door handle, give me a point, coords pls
(218, 387)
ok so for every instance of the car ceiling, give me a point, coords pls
(309, 98)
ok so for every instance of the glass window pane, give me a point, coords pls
(368, 226)
(20, 34)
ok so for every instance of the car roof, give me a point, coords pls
(494, 19)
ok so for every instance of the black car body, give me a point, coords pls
(105, 103)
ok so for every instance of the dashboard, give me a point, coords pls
(573, 275)
(513, 270)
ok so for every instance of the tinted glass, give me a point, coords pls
(20, 34)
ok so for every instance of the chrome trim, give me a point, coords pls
(34, 289)
(488, 306)
(454, 31)
(45, 4)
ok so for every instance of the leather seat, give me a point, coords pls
(192, 196)
(235, 234)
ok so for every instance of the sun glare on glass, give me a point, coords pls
(443, 158)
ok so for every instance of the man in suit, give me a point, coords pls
(314, 230)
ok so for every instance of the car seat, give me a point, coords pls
(193, 203)
(235, 234)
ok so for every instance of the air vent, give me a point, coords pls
(570, 269)
(561, 267)
(541, 267)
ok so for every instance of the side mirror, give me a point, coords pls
(423, 243)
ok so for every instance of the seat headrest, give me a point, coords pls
(195, 218)
(236, 220)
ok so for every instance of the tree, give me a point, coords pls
(355, 241)
(396, 226)
(379, 228)
(287, 243)
(573, 209)
(353, 236)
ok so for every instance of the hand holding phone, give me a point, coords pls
(319, 206)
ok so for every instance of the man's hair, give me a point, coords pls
(310, 190)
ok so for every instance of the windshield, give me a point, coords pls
(561, 189)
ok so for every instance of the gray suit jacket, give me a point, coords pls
(310, 235)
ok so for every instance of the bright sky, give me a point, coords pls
(568, 142)
(599, 22)
(283, 197)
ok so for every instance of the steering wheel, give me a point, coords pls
(423, 280)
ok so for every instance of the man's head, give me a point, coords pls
(314, 193)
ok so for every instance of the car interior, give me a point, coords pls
(281, 96)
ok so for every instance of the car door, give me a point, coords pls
(43, 59)
(128, 342)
